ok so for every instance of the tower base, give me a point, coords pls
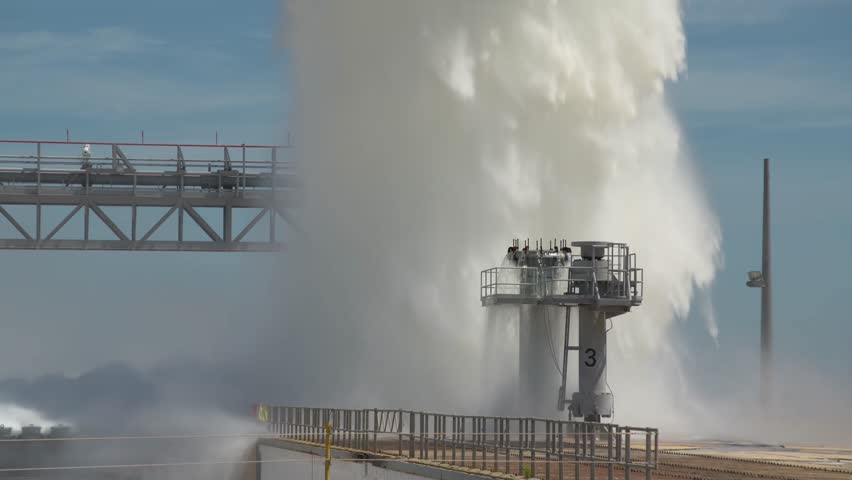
(591, 405)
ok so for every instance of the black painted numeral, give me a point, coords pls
(591, 361)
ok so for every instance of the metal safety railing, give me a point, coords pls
(142, 165)
(524, 446)
(509, 281)
(623, 284)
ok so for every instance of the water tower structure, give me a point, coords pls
(597, 280)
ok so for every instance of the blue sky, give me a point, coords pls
(764, 78)
(771, 79)
(180, 70)
(106, 70)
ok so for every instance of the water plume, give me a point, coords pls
(430, 135)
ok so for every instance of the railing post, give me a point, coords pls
(647, 455)
(627, 453)
(496, 443)
(462, 423)
(353, 433)
(474, 425)
(507, 440)
(443, 438)
(365, 430)
(339, 427)
(618, 443)
(358, 436)
(522, 429)
(366, 421)
(561, 452)
(454, 437)
(410, 434)
(435, 436)
(576, 428)
(532, 447)
(399, 430)
(547, 448)
(483, 440)
(274, 196)
(327, 450)
(609, 459)
(375, 430)
(38, 192)
(592, 436)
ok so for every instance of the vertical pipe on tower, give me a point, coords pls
(766, 294)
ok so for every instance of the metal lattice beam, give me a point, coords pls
(88, 182)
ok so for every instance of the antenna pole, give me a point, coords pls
(766, 294)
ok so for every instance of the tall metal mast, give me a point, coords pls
(766, 294)
(763, 280)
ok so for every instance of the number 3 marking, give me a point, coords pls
(591, 361)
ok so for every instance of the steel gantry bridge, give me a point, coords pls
(116, 183)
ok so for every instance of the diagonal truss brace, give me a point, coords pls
(251, 225)
(157, 225)
(108, 221)
(63, 222)
(201, 222)
(15, 223)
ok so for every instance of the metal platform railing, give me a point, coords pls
(182, 166)
(524, 446)
(556, 282)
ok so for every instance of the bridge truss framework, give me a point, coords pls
(47, 174)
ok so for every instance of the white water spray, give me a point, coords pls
(432, 133)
